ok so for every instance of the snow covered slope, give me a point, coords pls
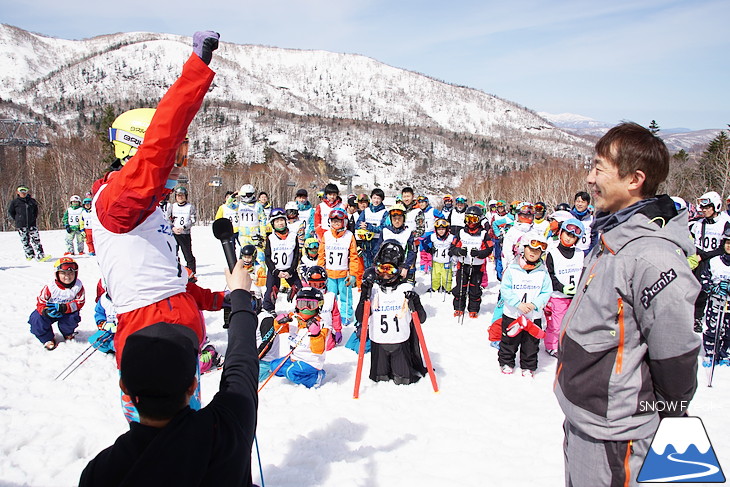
(357, 113)
(482, 428)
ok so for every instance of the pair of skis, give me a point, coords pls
(363, 341)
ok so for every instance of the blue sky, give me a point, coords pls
(620, 60)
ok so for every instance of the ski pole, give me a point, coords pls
(272, 374)
(258, 455)
(426, 356)
(720, 323)
(361, 352)
(103, 336)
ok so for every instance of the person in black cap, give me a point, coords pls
(23, 210)
(172, 444)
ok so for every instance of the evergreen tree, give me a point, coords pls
(654, 127)
(715, 163)
(102, 134)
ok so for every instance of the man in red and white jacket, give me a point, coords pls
(134, 241)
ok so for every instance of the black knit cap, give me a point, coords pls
(302, 192)
(159, 360)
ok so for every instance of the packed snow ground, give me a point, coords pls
(483, 428)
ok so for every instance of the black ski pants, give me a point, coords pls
(468, 283)
(185, 243)
(527, 344)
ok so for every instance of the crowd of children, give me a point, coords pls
(328, 246)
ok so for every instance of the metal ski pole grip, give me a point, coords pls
(223, 231)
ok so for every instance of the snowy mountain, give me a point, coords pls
(675, 138)
(681, 433)
(361, 116)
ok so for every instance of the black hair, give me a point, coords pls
(582, 195)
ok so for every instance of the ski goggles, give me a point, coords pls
(448, 197)
(338, 214)
(442, 224)
(471, 219)
(397, 213)
(388, 269)
(704, 202)
(461, 200)
(22, 189)
(574, 229)
(540, 208)
(363, 234)
(310, 304)
(66, 264)
(536, 244)
(527, 210)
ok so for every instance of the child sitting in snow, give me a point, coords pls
(395, 351)
(308, 338)
(526, 288)
(59, 301)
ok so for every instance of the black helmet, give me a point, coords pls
(562, 207)
(474, 210)
(248, 251)
(310, 294)
(390, 252)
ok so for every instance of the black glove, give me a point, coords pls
(204, 43)
(462, 251)
(412, 298)
(474, 253)
(68, 229)
(366, 287)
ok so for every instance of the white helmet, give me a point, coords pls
(561, 215)
(679, 203)
(75, 198)
(247, 193)
(711, 198)
(532, 237)
(291, 206)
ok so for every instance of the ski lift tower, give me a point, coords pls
(16, 133)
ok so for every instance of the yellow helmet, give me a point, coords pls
(127, 131)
